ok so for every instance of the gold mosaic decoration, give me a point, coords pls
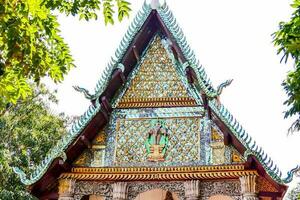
(83, 159)
(237, 157)
(159, 173)
(217, 146)
(183, 135)
(157, 83)
(93, 156)
(216, 136)
(100, 139)
(98, 157)
(218, 153)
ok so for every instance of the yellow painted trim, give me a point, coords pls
(161, 173)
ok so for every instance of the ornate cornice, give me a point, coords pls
(157, 102)
(162, 173)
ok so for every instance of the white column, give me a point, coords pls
(249, 187)
(66, 189)
(192, 190)
(120, 191)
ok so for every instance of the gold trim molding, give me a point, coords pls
(156, 102)
(160, 173)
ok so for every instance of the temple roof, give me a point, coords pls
(118, 69)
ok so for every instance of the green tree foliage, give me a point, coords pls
(31, 46)
(294, 193)
(27, 130)
(287, 40)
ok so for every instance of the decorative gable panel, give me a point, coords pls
(156, 82)
(183, 141)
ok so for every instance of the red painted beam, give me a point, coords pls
(270, 194)
(175, 53)
(83, 140)
(136, 53)
(253, 163)
(140, 42)
(169, 35)
(50, 196)
(227, 138)
(233, 140)
(189, 75)
(106, 105)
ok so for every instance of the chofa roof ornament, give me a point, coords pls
(86, 93)
(290, 174)
(223, 85)
(155, 4)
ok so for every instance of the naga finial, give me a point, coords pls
(21, 174)
(223, 85)
(85, 92)
(295, 171)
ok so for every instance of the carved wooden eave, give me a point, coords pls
(159, 174)
(252, 161)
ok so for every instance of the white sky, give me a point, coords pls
(232, 39)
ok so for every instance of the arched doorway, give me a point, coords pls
(220, 197)
(157, 194)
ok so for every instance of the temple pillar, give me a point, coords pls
(120, 191)
(249, 187)
(192, 190)
(66, 189)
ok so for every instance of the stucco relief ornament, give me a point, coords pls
(157, 141)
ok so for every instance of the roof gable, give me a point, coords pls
(156, 81)
(145, 25)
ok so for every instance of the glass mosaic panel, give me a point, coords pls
(84, 159)
(221, 153)
(98, 158)
(156, 83)
(183, 134)
(93, 156)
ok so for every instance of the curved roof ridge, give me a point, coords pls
(58, 150)
(133, 29)
(251, 147)
(172, 25)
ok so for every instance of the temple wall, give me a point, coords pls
(192, 140)
(207, 189)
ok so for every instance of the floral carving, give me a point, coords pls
(134, 189)
(210, 188)
(83, 188)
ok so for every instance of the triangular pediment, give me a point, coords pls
(157, 80)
